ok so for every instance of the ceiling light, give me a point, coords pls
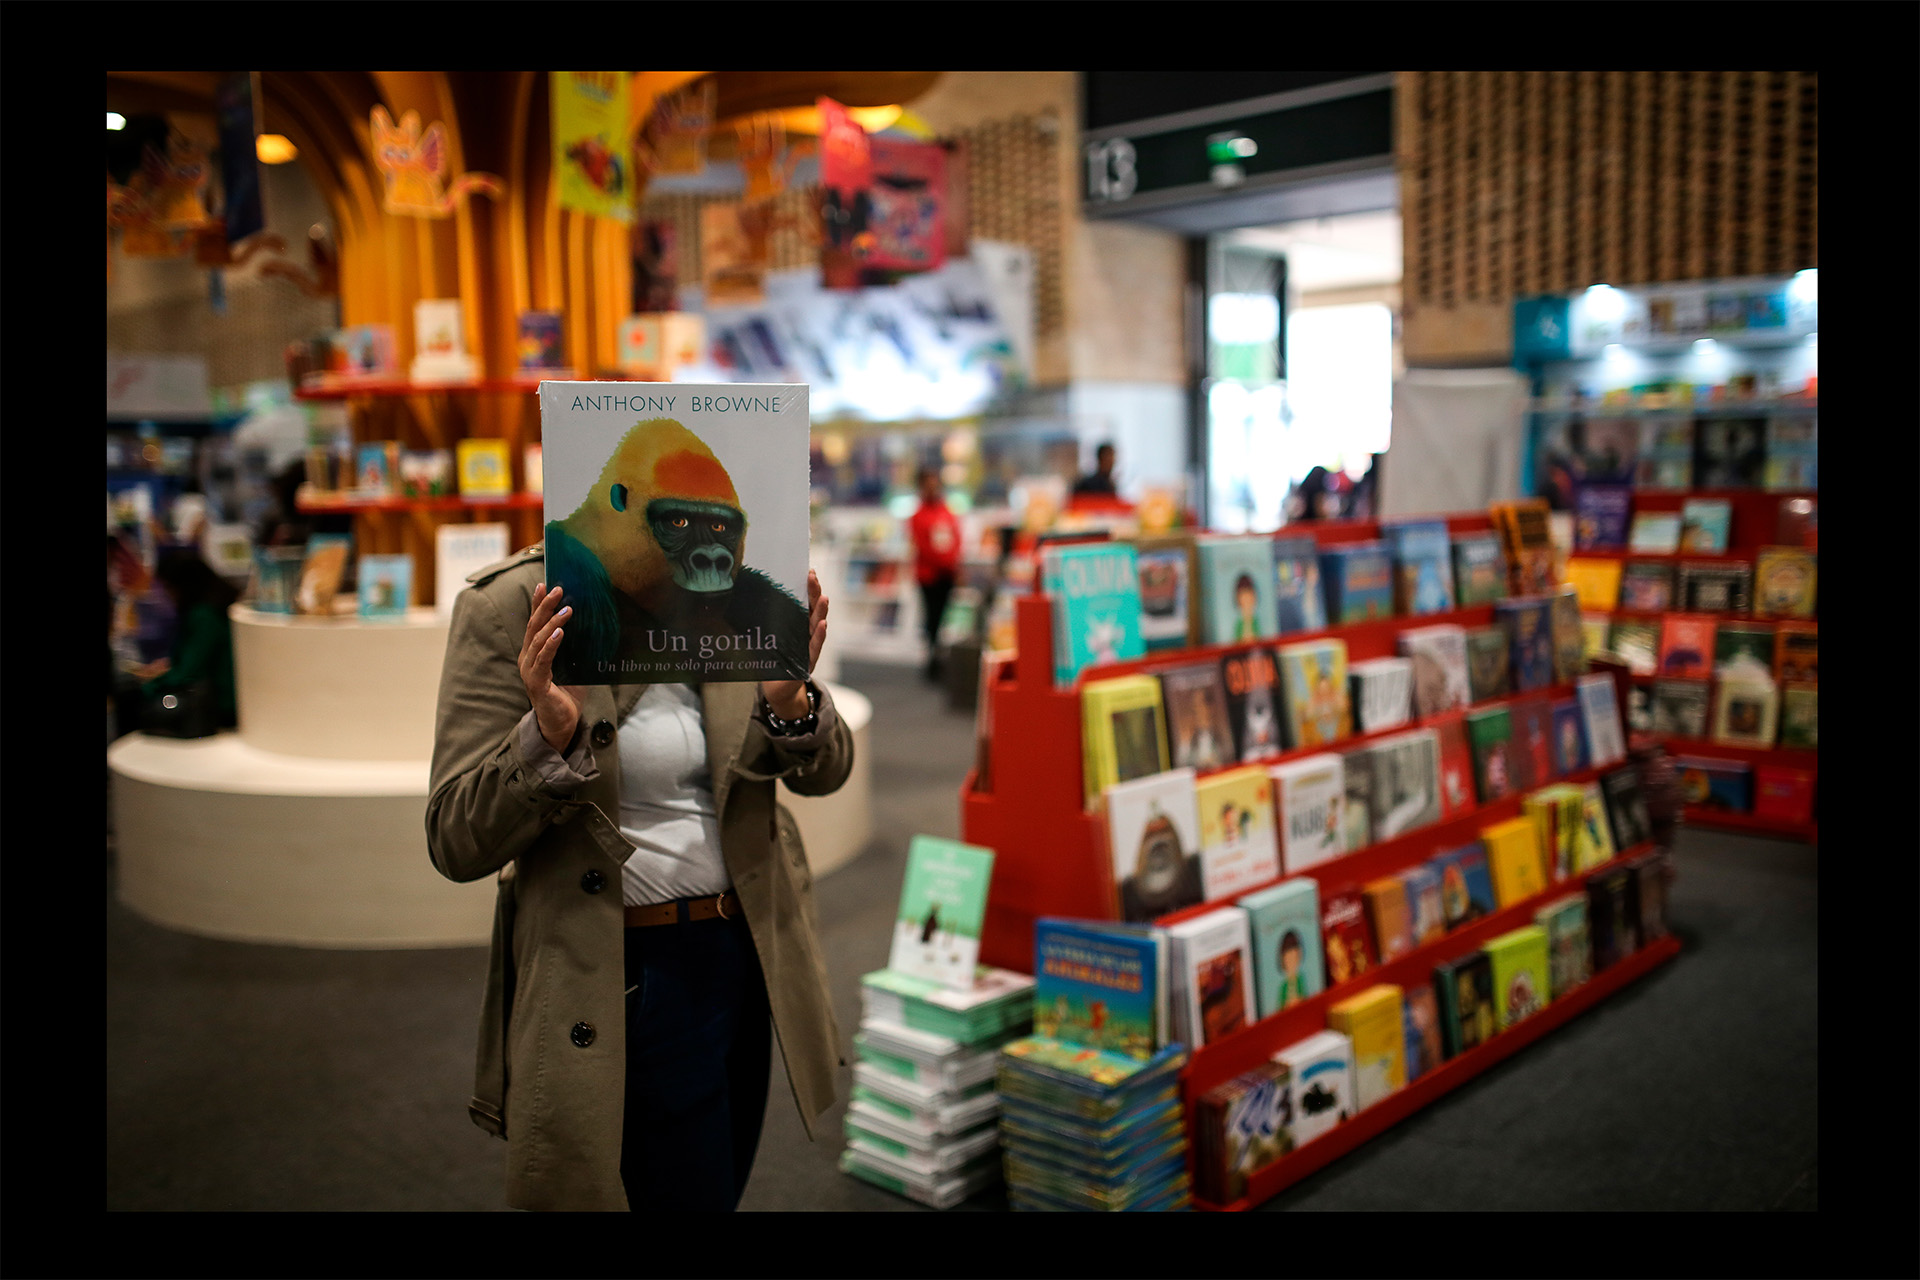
(273, 148)
(115, 120)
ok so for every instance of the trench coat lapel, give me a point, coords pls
(727, 707)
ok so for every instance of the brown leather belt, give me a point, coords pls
(723, 905)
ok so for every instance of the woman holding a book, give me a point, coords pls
(655, 923)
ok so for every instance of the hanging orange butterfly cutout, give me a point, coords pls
(415, 165)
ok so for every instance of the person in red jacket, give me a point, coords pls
(936, 559)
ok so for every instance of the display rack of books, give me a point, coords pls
(1355, 762)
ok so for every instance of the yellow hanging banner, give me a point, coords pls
(590, 150)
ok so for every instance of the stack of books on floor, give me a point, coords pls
(922, 1119)
(1089, 1130)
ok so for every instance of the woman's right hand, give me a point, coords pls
(556, 708)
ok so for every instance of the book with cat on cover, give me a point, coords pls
(1236, 589)
(1300, 601)
(1347, 937)
(1285, 924)
(1252, 680)
(1646, 586)
(1199, 726)
(1490, 732)
(1099, 984)
(1601, 513)
(1153, 841)
(1095, 589)
(1422, 566)
(936, 932)
(1466, 883)
(1310, 795)
(1169, 591)
(1313, 676)
(1489, 659)
(1372, 1021)
(1238, 848)
(1439, 657)
(1680, 708)
(650, 494)
(1213, 970)
(1463, 989)
(1784, 581)
(1686, 645)
(1358, 577)
(1796, 653)
(1569, 961)
(1479, 569)
(1123, 732)
(1529, 624)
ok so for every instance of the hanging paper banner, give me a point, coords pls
(245, 213)
(675, 139)
(765, 158)
(733, 263)
(415, 165)
(846, 201)
(908, 197)
(590, 142)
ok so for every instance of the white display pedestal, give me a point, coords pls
(308, 826)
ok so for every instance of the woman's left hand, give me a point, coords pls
(788, 698)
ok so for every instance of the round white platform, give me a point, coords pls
(218, 837)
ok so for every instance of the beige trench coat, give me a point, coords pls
(558, 954)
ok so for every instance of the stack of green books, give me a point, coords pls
(922, 1119)
(1084, 1129)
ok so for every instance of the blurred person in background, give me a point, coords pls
(936, 559)
(1099, 481)
(201, 659)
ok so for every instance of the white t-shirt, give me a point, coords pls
(666, 800)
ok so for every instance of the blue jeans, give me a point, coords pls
(699, 1043)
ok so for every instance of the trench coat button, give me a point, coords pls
(583, 1034)
(603, 733)
(593, 882)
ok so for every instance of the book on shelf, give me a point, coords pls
(1666, 454)
(1528, 621)
(1796, 652)
(1686, 645)
(1284, 923)
(1639, 708)
(1101, 985)
(1153, 840)
(1489, 661)
(1800, 718)
(1095, 589)
(1784, 581)
(1568, 633)
(1241, 1127)
(1796, 523)
(275, 579)
(1600, 716)
(321, 569)
(1212, 964)
(1596, 583)
(1743, 651)
(1300, 602)
(1513, 853)
(943, 900)
(1423, 902)
(1712, 587)
(1479, 569)
(1593, 842)
(1637, 642)
(1356, 808)
(1569, 739)
(460, 550)
(1526, 539)
(1389, 916)
(1315, 693)
(1520, 974)
(1359, 582)
(1236, 589)
(1466, 883)
(1168, 568)
(1612, 928)
(1680, 708)
(1781, 794)
(1422, 558)
(1238, 849)
(1555, 813)
(1593, 633)
(1746, 713)
(1560, 533)
(426, 473)
(1439, 657)
(1713, 783)
(1646, 586)
(385, 587)
(1372, 1021)
(1123, 734)
(1654, 532)
(1252, 680)
(377, 469)
(1729, 453)
(1490, 734)
(1320, 1081)
(1406, 782)
(1457, 794)
(1569, 962)
(1793, 454)
(1532, 719)
(1650, 895)
(1425, 1051)
(1626, 808)
(541, 348)
(534, 468)
(1346, 937)
(1705, 524)
(1382, 693)
(485, 469)
(1199, 727)
(1463, 989)
(1601, 514)
(1310, 795)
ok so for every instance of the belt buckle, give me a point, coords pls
(720, 905)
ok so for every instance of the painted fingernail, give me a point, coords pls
(565, 610)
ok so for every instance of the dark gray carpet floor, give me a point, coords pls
(250, 1077)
